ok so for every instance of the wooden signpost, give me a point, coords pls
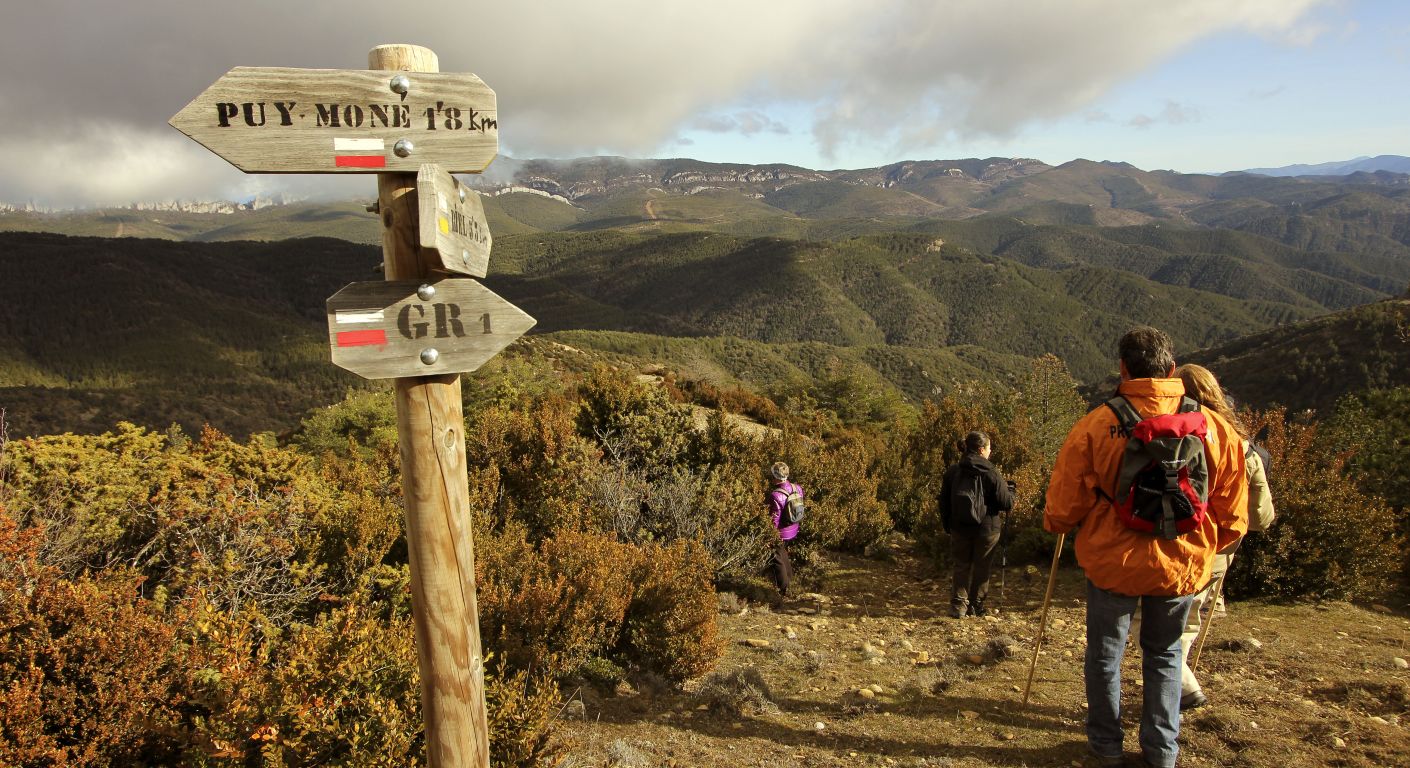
(278, 120)
(381, 330)
(453, 222)
(421, 328)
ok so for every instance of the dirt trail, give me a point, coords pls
(651, 210)
(1322, 674)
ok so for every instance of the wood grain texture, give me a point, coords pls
(284, 120)
(435, 487)
(379, 329)
(453, 222)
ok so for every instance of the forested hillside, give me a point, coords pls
(233, 333)
(1313, 364)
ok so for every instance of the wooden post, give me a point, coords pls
(430, 429)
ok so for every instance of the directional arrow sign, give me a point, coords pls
(279, 120)
(390, 329)
(453, 222)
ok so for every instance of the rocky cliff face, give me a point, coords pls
(587, 177)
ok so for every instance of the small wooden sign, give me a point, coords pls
(453, 222)
(384, 330)
(281, 120)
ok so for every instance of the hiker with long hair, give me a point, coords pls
(1201, 385)
(1146, 534)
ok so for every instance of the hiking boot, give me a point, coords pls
(957, 612)
(978, 609)
(1107, 761)
(1193, 700)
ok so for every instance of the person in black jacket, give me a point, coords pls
(973, 498)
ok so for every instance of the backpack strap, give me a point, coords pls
(1125, 414)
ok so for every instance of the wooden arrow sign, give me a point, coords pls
(385, 330)
(453, 222)
(280, 120)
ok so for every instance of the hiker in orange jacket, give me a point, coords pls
(1128, 569)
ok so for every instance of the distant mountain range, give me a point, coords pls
(922, 275)
(1391, 163)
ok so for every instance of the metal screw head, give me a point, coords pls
(429, 356)
(403, 147)
(426, 292)
(400, 84)
(461, 190)
(465, 256)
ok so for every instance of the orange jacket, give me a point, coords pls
(1129, 562)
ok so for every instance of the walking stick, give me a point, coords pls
(1003, 575)
(1209, 619)
(1043, 620)
(1214, 601)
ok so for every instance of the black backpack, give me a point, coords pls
(1263, 455)
(793, 511)
(967, 500)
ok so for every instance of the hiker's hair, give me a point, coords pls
(975, 441)
(1147, 352)
(1201, 385)
(779, 470)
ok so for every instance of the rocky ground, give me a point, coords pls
(869, 670)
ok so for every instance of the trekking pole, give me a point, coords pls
(1043, 620)
(1214, 602)
(1208, 619)
(1003, 575)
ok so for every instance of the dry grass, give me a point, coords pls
(1322, 674)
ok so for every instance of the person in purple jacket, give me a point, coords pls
(781, 569)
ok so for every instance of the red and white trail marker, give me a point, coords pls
(391, 329)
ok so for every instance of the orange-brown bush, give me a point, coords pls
(537, 469)
(522, 705)
(550, 607)
(1330, 539)
(671, 625)
(84, 664)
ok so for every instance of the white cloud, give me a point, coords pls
(612, 76)
(1173, 113)
(746, 123)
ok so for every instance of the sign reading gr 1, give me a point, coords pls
(391, 329)
(281, 120)
(453, 222)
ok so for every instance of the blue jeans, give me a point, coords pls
(1108, 623)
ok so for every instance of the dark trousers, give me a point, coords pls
(973, 550)
(781, 568)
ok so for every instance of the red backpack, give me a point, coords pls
(1162, 487)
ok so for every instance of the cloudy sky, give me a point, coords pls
(1193, 85)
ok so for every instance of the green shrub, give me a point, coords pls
(843, 510)
(602, 672)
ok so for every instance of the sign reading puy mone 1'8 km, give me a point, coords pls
(280, 120)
